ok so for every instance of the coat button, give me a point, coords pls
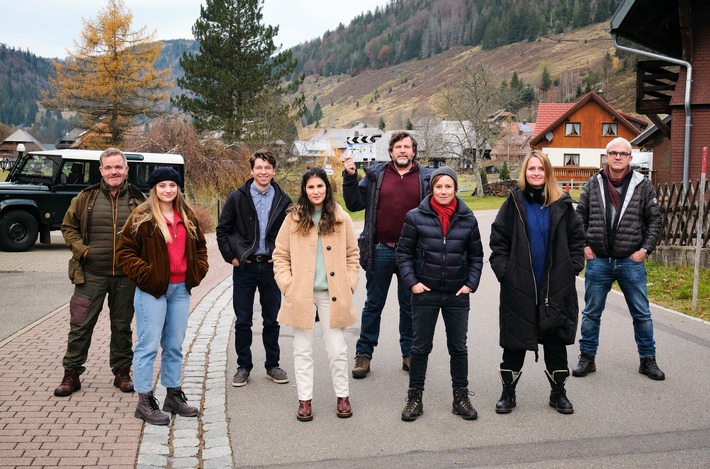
(328, 248)
(334, 299)
(332, 274)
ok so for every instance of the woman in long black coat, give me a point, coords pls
(538, 243)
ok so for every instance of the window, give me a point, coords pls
(609, 129)
(571, 159)
(75, 172)
(572, 129)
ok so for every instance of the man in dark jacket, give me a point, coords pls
(622, 222)
(91, 228)
(246, 235)
(386, 193)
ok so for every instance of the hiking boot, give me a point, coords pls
(558, 395)
(406, 361)
(343, 409)
(241, 378)
(122, 379)
(277, 375)
(585, 366)
(362, 366)
(70, 383)
(305, 412)
(462, 405)
(149, 410)
(649, 368)
(176, 402)
(414, 407)
(509, 379)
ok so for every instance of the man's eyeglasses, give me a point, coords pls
(622, 154)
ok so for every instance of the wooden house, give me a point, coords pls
(575, 135)
(669, 35)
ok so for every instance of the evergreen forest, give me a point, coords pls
(418, 29)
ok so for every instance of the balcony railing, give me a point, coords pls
(574, 173)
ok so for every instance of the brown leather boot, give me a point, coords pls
(304, 414)
(122, 379)
(176, 402)
(344, 409)
(149, 410)
(70, 383)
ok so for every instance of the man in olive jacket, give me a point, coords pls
(622, 223)
(91, 228)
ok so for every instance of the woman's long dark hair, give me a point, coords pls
(304, 208)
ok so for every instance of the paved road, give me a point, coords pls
(32, 284)
(621, 419)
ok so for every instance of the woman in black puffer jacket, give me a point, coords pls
(538, 242)
(440, 258)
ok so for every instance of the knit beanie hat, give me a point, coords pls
(446, 171)
(164, 173)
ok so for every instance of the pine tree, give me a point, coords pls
(110, 79)
(546, 81)
(236, 66)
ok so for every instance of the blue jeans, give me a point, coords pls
(631, 275)
(384, 264)
(425, 312)
(246, 279)
(160, 321)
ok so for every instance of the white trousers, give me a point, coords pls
(334, 344)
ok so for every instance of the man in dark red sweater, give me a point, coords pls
(386, 193)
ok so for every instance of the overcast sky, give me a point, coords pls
(48, 27)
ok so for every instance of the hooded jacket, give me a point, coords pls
(365, 195)
(443, 263)
(525, 314)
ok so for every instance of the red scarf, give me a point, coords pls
(445, 212)
(613, 183)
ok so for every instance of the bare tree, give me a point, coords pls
(430, 133)
(470, 102)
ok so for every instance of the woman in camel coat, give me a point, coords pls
(316, 265)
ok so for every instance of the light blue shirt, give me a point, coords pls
(262, 203)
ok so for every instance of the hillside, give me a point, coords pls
(410, 90)
(419, 29)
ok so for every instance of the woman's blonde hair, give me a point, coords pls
(150, 211)
(552, 191)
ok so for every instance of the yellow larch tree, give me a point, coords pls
(110, 79)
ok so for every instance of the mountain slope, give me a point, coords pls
(410, 90)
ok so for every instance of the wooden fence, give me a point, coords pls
(680, 214)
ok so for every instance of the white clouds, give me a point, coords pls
(49, 27)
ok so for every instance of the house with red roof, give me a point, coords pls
(575, 135)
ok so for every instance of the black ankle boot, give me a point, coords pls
(558, 395)
(509, 378)
(462, 405)
(585, 366)
(649, 368)
(414, 407)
